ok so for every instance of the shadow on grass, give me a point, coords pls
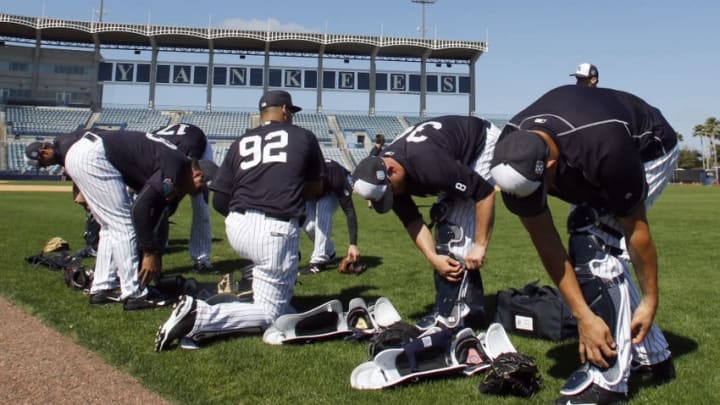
(308, 302)
(219, 267)
(566, 357)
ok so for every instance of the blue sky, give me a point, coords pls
(663, 51)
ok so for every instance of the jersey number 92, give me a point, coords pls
(258, 149)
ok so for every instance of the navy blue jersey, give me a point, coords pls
(190, 139)
(154, 168)
(62, 143)
(267, 167)
(337, 181)
(604, 137)
(145, 159)
(437, 155)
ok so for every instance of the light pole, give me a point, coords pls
(423, 2)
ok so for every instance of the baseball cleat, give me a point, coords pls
(180, 323)
(593, 394)
(315, 268)
(152, 299)
(202, 267)
(105, 297)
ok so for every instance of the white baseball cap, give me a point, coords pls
(585, 70)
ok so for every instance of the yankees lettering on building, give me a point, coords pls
(294, 78)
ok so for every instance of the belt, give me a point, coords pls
(284, 218)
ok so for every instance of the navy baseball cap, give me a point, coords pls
(371, 183)
(32, 153)
(277, 98)
(518, 163)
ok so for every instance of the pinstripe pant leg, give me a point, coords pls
(654, 348)
(105, 273)
(323, 246)
(104, 189)
(272, 247)
(200, 229)
(310, 220)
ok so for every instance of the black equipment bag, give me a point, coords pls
(535, 311)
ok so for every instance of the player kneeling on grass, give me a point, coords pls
(103, 165)
(261, 188)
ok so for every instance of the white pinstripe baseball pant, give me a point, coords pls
(318, 226)
(462, 212)
(106, 194)
(200, 229)
(272, 246)
(654, 348)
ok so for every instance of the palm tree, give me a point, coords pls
(711, 130)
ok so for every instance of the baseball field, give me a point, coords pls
(245, 370)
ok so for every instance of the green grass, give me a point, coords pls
(244, 370)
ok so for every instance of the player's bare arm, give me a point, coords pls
(150, 267)
(595, 341)
(446, 266)
(644, 260)
(484, 221)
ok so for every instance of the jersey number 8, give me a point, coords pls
(259, 149)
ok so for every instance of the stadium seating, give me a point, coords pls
(220, 124)
(358, 154)
(222, 127)
(45, 121)
(387, 125)
(317, 123)
(132, 119)
(336, 154)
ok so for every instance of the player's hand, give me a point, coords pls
(448, 268)
(80, 200)
(476, 257)
(353, 253)
(642, 320)
(596, 343)
(150, 268)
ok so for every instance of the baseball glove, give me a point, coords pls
(55, 244)
(512, 373)
(348, 267)
(76, 276)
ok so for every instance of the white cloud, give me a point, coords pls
(270, 24)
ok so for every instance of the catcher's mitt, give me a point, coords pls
(348, 267)
(55, 244)
(512, 373)
(395, 336)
